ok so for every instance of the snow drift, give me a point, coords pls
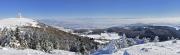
(159, 48)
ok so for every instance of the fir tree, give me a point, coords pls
(156, 39)
(172, 38)
(126, 53)
(131, 42)
(146, 40)
(124, 41)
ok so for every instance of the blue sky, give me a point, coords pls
(90, 8)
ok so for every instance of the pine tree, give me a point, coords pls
(146, 40)
(172, 38)
(156, 39)
(111, 47)
(168, 38)
(132, 42)
(174, 41)
(38, 46)
(126, 53)
(124, 41)
(13, 42)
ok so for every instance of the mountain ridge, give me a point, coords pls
(40, 36)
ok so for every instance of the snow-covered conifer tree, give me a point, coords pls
(156, 39)
(131, 42)
(146, 40)
(172, 38)
(126, 53)
(124, 41)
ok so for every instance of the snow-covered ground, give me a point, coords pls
(108, 36)
(63, 29)
(103, 38)
(160, 48)
(12, 51)
(14, 22)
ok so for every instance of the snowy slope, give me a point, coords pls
(108, 36)
(11, 51)
(63, 29)
(13, 22)
(102, 38)
(160, 48)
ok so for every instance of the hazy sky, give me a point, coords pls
(90, 8)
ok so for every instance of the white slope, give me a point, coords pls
(108, 36)
(64, 29)
(12, 51)
(160, 48)
(14, 22)
(102, 38)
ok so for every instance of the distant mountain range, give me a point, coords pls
(142, 30)
(100, 23)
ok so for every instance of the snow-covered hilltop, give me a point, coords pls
(159, 48)
(13, 22)
(24, 33)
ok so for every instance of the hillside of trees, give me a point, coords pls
(45, 39)
(164, 32)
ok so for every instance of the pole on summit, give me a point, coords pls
(19, 15)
